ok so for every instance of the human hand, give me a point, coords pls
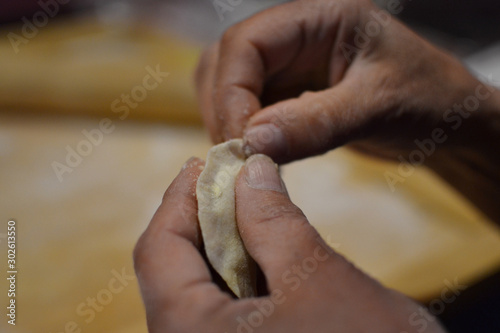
(312, 288)
(308, 76)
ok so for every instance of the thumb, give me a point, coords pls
(305, 126)
(275, 231)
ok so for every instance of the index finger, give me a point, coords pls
(249, 53)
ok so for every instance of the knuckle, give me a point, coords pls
(281, 213)
(244, 30)
(231, 34)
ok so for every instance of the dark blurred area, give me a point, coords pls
(477, 309)
(475, 20)
(473, 23)
(13, 11)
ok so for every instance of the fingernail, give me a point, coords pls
(267, 139)
(262, 174)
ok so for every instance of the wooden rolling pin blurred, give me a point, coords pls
(79, 66)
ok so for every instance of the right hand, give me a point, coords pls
(305, 77)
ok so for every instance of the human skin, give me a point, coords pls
(288, 81)
(311, 287)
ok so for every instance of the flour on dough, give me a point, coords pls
(217, 216)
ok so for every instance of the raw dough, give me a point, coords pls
(217, 216)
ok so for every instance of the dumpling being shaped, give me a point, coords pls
(215, 191)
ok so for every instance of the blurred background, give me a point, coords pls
(98, 114)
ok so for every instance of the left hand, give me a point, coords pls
(312, 288)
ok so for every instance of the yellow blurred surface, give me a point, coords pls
(76, 232)
(79, 67)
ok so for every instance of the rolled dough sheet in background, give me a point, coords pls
(80, 66)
